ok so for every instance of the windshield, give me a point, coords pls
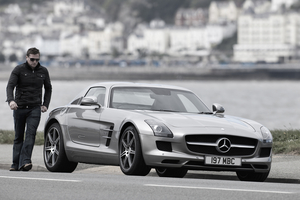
(156, 99)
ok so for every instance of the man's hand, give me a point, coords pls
(13, 105)
(44, 109)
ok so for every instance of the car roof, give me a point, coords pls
(136, 84)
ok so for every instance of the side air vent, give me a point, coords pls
(107, 136)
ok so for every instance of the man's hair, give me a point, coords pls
(32, 51)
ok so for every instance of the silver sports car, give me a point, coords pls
(142, 126)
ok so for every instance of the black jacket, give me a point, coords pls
(29, 84)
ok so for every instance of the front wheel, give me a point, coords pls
(55, 157)
(252, 176)
(171, 172)
(130, 153)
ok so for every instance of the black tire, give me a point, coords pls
(55, 158)
(130, 154)
(252, 176)
(171, 172)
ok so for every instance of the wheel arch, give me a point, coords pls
(49, 123)
(126, 125)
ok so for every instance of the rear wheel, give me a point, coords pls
(55, 158)
(171, 172)
(252, 176)
(130, 153)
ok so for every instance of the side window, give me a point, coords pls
(76, 101)
(98, 92)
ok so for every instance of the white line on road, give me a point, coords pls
(225, 189)
(39, 179)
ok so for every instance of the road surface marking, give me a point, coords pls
(225, 189)
(39, 179)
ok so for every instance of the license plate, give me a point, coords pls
(219, 160)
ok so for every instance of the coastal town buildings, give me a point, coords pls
(177, 40)
(70, 28)
(266, 35)
(192, 35)
(277, 4)
(223, 11)
(191, 17)
(267, 31)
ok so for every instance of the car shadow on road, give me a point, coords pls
(233, 177)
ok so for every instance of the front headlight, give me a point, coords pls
(159, 128)
(267, 136)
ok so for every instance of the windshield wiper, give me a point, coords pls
(206, 113)
(165, 110)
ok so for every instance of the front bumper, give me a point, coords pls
(175, 154)
(158, 158)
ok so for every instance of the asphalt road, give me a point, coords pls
(45, 185)
(285, 168)
(108, 182)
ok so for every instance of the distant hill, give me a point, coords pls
(143, 10)
(146, 10)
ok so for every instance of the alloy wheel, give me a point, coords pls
(128, 147)
(52, 146)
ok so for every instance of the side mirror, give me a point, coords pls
(217, 108)
(90, 100)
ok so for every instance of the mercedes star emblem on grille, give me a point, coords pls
(224, 145)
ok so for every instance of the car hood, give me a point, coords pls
(184, 120)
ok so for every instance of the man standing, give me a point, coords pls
(27, 104)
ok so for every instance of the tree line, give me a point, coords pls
(144, 10)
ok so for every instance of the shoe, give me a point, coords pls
(12, 169)
(27, 167)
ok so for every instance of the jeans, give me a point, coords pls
(22, 149)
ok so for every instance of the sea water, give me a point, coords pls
(275, 104)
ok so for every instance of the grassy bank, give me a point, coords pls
(7, 137)
(284, 141)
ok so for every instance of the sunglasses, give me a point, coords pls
(33, 59)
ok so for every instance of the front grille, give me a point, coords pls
(208, 144)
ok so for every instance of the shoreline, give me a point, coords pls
(167, 73)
